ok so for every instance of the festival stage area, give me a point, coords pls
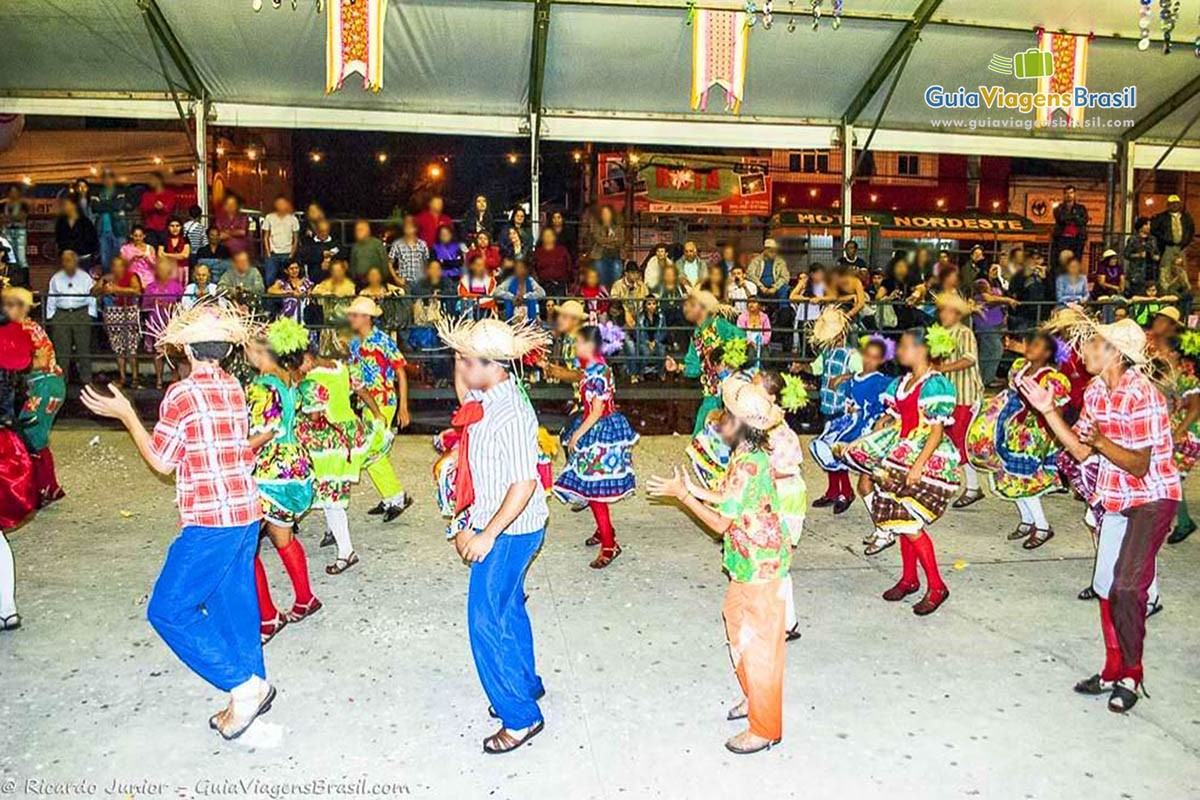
(378, 689)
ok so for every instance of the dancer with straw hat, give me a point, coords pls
(703, 360)
(204, 604)
(838, 357)
(745, 511)
(961, 368)
(498, 489)
(1125, 422)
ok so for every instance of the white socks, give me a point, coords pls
(395, 500)
(247, 695)
(339, 526)
(1039, 515)
(869, 501)
(8, 579)
(1026, 514)
(971, 477)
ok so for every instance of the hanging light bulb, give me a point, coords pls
(256, 5)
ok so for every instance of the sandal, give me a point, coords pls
(263, 707)
(745, 751)
(969, 497)
(301, 611)
(1094, 685)
(880, 541)
(1023, 530)
(606, 557)
(1154, 608)
(1087, 593)
(1038, 538)
(340, 565)
(592, 540)
(504, 742)
(1122, 698)
(1181, 532)
(740, 711)
(269, 629)
(327, 540)
(900, 591)
(792, 633)
(931, 602)
(10, 623)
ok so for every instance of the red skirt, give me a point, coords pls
(18, 491)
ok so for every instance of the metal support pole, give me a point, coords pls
(847, 179)
(200, 109)
(535, 171)
(1128, 193)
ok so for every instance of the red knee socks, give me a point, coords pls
(908, 562)
(296, 564)
(923, 547)
(839, 485)
(604, 528)
(1114, 669)
(266, 606)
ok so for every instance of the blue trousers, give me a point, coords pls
(501, 636)
(205, 607)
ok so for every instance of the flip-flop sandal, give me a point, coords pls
(342, 564)
(12, 622)
(263, 708)
(767, 745)
(1038, 538)
(1121, 699)
(1154, 608)
(1094, 686)
(1022, 531)
(793, 633)
(507, 742)
(270, 629)
(1087, 593)
(735, 715)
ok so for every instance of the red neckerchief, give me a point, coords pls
(464, 490)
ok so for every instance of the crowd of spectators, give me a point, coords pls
(123, 263)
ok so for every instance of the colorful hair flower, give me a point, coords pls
(285, 335)
(794, 395)
(939, 341)
(734, 353)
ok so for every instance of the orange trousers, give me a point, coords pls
(754, 627)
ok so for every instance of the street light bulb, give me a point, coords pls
(578, 156)
(634, 158)
(941, 203)
(512, 158)
(252, 154)
(28, 181)
(383, 157)
(996, 204)
(812, 192)
(874, 198)
(316, 156)
(435, 171)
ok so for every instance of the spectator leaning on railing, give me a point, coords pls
(70, 310)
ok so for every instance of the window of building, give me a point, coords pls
(810, 161)
(908, 164)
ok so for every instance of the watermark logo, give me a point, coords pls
(1033, 63)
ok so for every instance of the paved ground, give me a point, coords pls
(379, 688)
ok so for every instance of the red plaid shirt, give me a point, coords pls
(202, 433)
(1134, 416)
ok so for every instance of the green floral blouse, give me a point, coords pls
(757, 545)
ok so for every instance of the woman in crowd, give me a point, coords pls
(913, 463)
(46, 391)
(599, 445)
(1071, 286)
(176, 249)
(594, 294)
(479, 220)
(120, 292)
(140, 255)
(449, 251)
(282, 467)
(158, 297)
(745, 512)
(757, 325)
(294, 287)
(476, 290)
(201, 287)
(607, 238)
(1009, 439)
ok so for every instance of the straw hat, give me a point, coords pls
(209, 320)
(493, 339)
(709, 302)
(749, 403)
(1127, 337)
(364, 305)
(572, 308)
(955, 301)
(20, 294)
(830, 327)
(1171, 313)
(770, 244)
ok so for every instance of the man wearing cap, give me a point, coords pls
(769, 273)
(1173, 230)
(561, 365)
(1070, 226)
(1125, 423)
(745, 511)
(498, 487)
(204, 604)
(377, 365)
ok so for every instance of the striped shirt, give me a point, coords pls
(968, 386)
(504, 451)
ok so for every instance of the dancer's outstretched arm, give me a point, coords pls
(675, 487)
(118, 407)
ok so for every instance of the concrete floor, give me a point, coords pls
(379, 687)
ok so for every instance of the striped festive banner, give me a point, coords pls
(719, 42)
(354, 43)
(1069, 53)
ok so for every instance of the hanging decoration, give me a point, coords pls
(1069, 60)
(1168, 15)
(719, 43)
(768, 14)
(837, 14)
(816, 13)
(354, 43)
(791, 16)
(257, 5)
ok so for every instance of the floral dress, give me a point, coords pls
(46, 390)
(339, 443)
(1182, 384)
(757, 545)
(600, 468)
(282, 468)
(1010, 439)
(886, 454)
(863, 406)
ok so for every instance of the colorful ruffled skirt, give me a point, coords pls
(1020, 455)
(886, 457)
(839, 430)
(600, 468)
(284, 474)
(708, 452)
(18, 492)
(340, 451)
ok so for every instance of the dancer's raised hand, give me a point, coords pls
(667, 487)
(1038, 396)
(117, 406)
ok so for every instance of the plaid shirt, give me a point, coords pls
(202, 433)
(1134, 416)
(410, 259)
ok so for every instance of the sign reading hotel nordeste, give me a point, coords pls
(1032, 64)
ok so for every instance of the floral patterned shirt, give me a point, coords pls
(41, 345)
(757, 548)
(374, 364)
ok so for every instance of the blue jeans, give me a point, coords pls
(274, 266)
(205, 606)
(501, 636)
(110, 247)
